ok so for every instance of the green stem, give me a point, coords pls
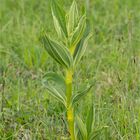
(70, 110)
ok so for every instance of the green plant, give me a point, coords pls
(87, 131)
(73, 40)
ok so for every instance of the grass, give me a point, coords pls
(112, 60)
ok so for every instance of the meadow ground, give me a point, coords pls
(112, 60)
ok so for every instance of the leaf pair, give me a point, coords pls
(85, 130)
(62, 55)
(56, 86)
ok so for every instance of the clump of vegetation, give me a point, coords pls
(67, 51)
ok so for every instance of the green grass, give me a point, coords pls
(112, 60)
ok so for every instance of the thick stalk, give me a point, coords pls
(70, 114)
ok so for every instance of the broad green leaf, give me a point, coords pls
(72, 17)
(56, 80)
(89, 120)
(81, 48)
(80, 94)
(78, 32)
(56, 94)
(55, 84)
(59, 18)
(82, 128)
(58, 52)
(58, 29)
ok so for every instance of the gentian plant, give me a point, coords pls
(67, 51)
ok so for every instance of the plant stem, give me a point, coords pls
(70, 118)
(70, 110)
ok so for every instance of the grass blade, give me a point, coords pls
(89, 120)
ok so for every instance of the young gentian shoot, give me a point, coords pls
(66, 51)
